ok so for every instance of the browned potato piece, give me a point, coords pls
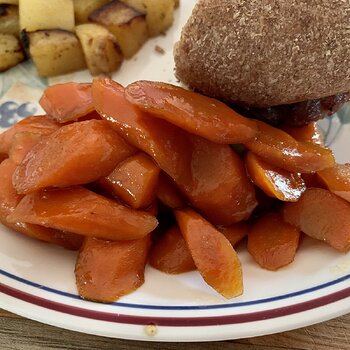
(126, 24)
(56, 52)
(10, 51)
(159, 14)
(9, 21)
(46, 14)
(101, 50)
(83, 8)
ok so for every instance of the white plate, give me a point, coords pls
(37, 280)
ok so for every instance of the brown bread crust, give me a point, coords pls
(264, 53)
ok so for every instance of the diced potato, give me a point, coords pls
(159, 14)
(125, 23)
(42, 14)
(9, 2)
(83, 8)
(9, 22)
(100, 47)
(56, 52)
(11, 52)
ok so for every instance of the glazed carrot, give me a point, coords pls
(22, 143)
(81, 211)
(312, 180)
(188, 159)
(235, 233)
(272, 242)
(152, 208)
(106, 270)
(9, 199)
(281, 150)
(167, 192)
(134, 180)
(38, 125)
(337, 180)
(67, 102)
(321, 215)
(171, 254)
(195, 113)
(213, 255)
(307, 133)
(275, 182)
(78, 153)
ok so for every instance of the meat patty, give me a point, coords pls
(297, 114)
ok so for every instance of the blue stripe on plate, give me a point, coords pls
(182, 307)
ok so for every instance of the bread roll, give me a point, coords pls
(264, 53)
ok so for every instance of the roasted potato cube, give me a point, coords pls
(10, 51)
(55, 52)
(101, 50)
(125, 23)
(42, 15)
(83, 8)
(159, 14)
(9, 2)
(9, 22)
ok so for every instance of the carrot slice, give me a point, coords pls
(215, 259)
(75, 154)
(134, 181)
(337, 180)
(38, 125)
(235, 233)
(81, 211)
(107, 270)
(207, 173)
(167, 192)
(321, 215)
(171, 254)
(9, 199)
(280, 149)
(275, 182)
(195, 113)
(67, 102)
(272, 242)
(22, 143)
(307, 133)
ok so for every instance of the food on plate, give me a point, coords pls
(122, 172)
(272, 242)
(83, 212)
(83, 9)
(159, 14)
(285, 62)
(125, 23)
(11, 52)
(134, 181)
(9, 199)
(41, 125)
(101, 49)
(307, 133)
(55, 52)
(274, 181)
(322, 215)
(107, 270)
(9, 20)
(171, 254)
(337, 180)
(67, 102)
(167, 102)
(43, 15)
(69, 35)
(188, 159)
(280, 149)
(213, 255)
(87, 151)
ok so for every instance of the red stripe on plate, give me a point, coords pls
(176, 321)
